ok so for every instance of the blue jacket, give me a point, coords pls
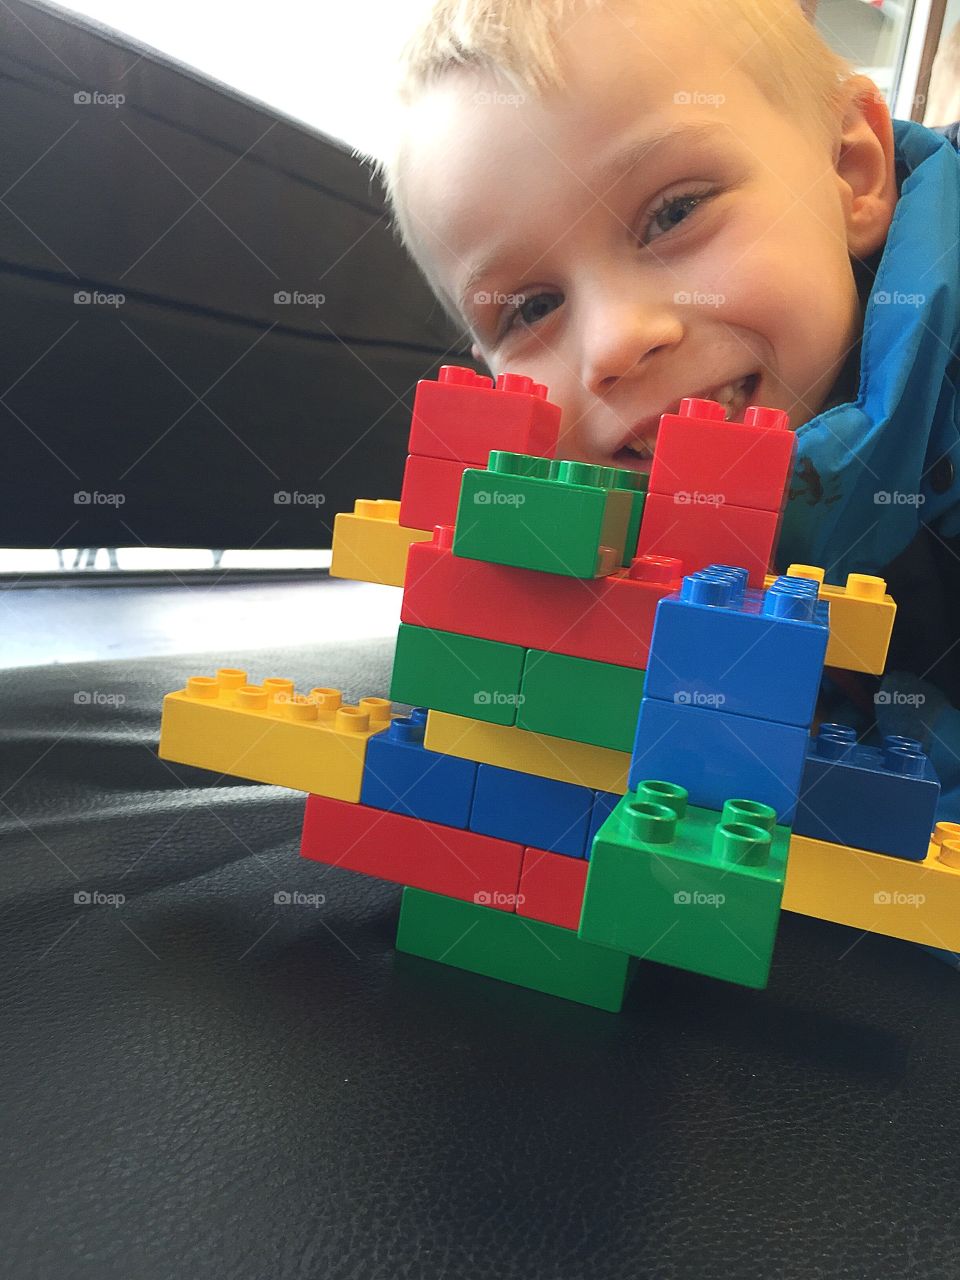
(877, 483)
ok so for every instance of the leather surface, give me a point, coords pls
(199, 1082)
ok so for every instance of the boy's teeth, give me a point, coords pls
(733, 397)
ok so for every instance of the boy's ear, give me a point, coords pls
(864, 163)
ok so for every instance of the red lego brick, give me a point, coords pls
(608, 619)
(700, 534)
(551, 888)
(462, 416)
(431, 491)
(746, 464)
(391, 846)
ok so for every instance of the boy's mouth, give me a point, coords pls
(636, 452)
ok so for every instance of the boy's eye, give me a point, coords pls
(672, 211)
(532, 309)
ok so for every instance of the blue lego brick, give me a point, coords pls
(531, 810)
(604, 803)
(404, 777)
(751, 653)
(879, 798)
(717, 756)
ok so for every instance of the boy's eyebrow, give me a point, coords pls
(604, 176)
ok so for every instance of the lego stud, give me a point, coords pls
(750, 813)
(460, 375)
(231, 677)
(378, 709)
(835, 741)
(406, 729)
(904, 760)
(624, 478)
(278, 689)
(782, 601)
(418, 715)
(707, 589)
(864, 587)
(516, 382)
(651, 823)
(251, 697)
(811, 571)
(897, 740)
(203, 687)
(662, 569)
(945, 831)
(668, 794)
(583, 473)
(759, 415)
(518, 464)
(301, 708)
(328, 702)
(608, 560)
(351, 720)
(949, 854)
(443, 536)
(741, 842)
(377, 509)
(712, 410)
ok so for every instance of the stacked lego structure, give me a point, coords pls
(609, 756)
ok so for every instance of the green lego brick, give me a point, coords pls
(636, 482)
(580, 699)
(501, 945)
(567, 518)
(460, 674)
(686, 886)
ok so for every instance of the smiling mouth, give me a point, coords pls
(637, 450)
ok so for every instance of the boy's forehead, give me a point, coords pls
(487, 163)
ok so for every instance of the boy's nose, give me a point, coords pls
(624, 341)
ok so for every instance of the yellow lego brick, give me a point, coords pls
(861, 619)
(537, 753)
(269, 733)
(371, 545)
(916, 901)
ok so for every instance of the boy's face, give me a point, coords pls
(717, 265)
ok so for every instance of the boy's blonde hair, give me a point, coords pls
(515, 41)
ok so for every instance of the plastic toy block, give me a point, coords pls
(861, 619)
(461, 674)
(744, 464)
(580, 699)
(701, 533)
(563, 518)
(688, 887)
(748, 653)
(879, 798)
(410, 851)
(604, 803)
(551, 888)
(399, 774)
(916, 901)
(526, 953)
(268, 733)
(636, 483)
(519, 806)
(535, 753)
(609, 619)
(462, 416)
(716, 755)
(430, 492)
(370, 545)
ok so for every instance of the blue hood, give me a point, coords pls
(862, 482)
